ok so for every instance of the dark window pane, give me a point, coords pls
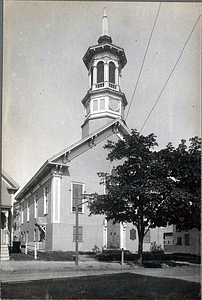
(111, 72)
(100, 72)
(179, 240)
(77, 196)
(91, 76)
(186, 239)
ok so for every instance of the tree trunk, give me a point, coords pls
(140, 246)
(140, 234)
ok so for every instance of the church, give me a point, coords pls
(48, 202)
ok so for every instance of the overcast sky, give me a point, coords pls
(45, 79)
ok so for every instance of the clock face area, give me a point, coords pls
(114, 104)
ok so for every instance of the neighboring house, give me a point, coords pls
(8, 188)
(16, 221)
(47, 203)
(182, 241)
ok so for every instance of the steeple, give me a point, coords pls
(104, 100)
(105, 37)
(105, 23)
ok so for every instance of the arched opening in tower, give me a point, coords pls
(100, 72)
(112, 72)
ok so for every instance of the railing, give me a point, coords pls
(111, 85)
(99, 85)
(106, 84)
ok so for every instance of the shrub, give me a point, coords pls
(155, 248)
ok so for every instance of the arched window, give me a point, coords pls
(112, 72)
(91, 72)
(100, 72)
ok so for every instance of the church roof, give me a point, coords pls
(61, 159)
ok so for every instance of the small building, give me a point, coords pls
(177, 241)
(8, 188)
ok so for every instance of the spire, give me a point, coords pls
(105, 38)
(105, 23)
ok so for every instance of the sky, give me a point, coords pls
(45, 79)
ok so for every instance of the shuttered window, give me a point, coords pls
(77, 191)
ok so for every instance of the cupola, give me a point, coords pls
(104, 100)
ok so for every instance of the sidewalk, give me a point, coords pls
(16, 271)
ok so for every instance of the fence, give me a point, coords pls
(30, 247)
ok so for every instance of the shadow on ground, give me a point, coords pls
(114, 286)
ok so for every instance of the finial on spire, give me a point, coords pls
(105, 23)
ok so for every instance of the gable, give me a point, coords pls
(116, 128)
(8, 181)
(59, 163)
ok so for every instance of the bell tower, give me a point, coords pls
(104, 100)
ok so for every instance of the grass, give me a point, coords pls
(48, 256)
(114, 286)
(150, 260)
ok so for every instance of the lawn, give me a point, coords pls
(49, 256)
(114, 286)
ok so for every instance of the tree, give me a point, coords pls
(184, 167)
(146, 189)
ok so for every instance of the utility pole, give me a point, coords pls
(77, 232)
(77, 236)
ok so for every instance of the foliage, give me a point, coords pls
(151, 188)
(184, 167)
(96, 249)
(155, 248)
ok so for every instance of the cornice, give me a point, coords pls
(104, 91)
(102, 48)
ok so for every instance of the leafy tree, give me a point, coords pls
(149, 187)
(184, 167)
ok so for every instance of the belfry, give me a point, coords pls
(104, 100)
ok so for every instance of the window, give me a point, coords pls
(91, 76)
(80, 233)
(34, 235)
(45, 195)
(179, 240)
(186, 239)
(77, 191)
(132, 234)
(28, 210)
(100, 72)
(167, 234)
(27, 236)
(22, 216)
(23, 236)
(147, 237)
(111, 72)
(36, 206)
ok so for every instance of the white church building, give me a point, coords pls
(48, 201)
